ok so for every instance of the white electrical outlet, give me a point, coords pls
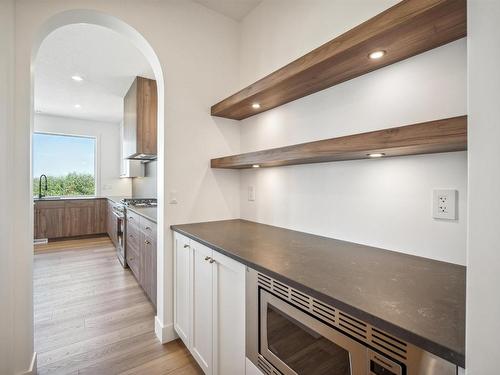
(251, 193)
(444, 204)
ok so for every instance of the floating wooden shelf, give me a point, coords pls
(425, 138)
(404, 30)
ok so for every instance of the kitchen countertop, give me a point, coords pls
(67, 198)
(150, 213)
(419, 300)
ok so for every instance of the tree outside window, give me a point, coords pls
(67, 161)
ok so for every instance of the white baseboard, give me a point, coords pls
(32, 369)
(165, 333)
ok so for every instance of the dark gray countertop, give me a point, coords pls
(420, 300)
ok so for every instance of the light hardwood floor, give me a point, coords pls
(91, 316)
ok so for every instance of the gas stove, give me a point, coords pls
(139, 202)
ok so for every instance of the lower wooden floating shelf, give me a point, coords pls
(444, 135)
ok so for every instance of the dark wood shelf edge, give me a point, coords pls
(406, 29)
(444, 135)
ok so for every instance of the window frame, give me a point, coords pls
(97, 172)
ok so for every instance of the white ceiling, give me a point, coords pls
(107, 61)
(235, 9)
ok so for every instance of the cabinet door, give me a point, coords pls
(229, 315)
(81, 217)
(182, 288)
(201, 276)
(111, 224)
(36, 227)
(50, 219)
(148, 263)
(101, 218)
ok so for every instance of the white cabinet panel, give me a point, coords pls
(182, 288)
(229, 315)
(209, 306)
(202, 309)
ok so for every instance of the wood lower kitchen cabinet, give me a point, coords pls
(70, 218)
(85, 217)
(49, 219)
(141, 252)
(112, 223)
(209, 306)
(148, 267)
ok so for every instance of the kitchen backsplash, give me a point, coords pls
(145, 187)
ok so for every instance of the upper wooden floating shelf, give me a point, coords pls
(404, 30)
(425, 138)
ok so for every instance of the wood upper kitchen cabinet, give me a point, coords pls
(70, 218)
(209, 299)
(140, 120)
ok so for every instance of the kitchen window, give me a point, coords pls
(68, 161)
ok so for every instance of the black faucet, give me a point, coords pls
(40, 195)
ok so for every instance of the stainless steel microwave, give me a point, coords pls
(291, 333)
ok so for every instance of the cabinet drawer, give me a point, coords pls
(133, 235)
(134, 261)
(148, 227)
(133, 218)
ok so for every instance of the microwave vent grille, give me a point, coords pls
(328, 314)
(389, 343)
(266, 367)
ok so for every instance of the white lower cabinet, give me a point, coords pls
(229, 313)
(202, 307)
(182, 285)
(209, 306)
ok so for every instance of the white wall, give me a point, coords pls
(384, 203)
(16, 342)
(146, 187)
(108, 149)
(483, 250)
(198, 52)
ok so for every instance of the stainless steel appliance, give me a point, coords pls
(119, 212)
(291, 333)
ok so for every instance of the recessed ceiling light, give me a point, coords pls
(77, 106)
(376, 155)
(77, 78)
(256, 166)
(376, 54)
(255, 105)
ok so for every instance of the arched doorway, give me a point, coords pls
(104, 20)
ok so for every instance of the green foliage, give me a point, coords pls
(71, 184)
